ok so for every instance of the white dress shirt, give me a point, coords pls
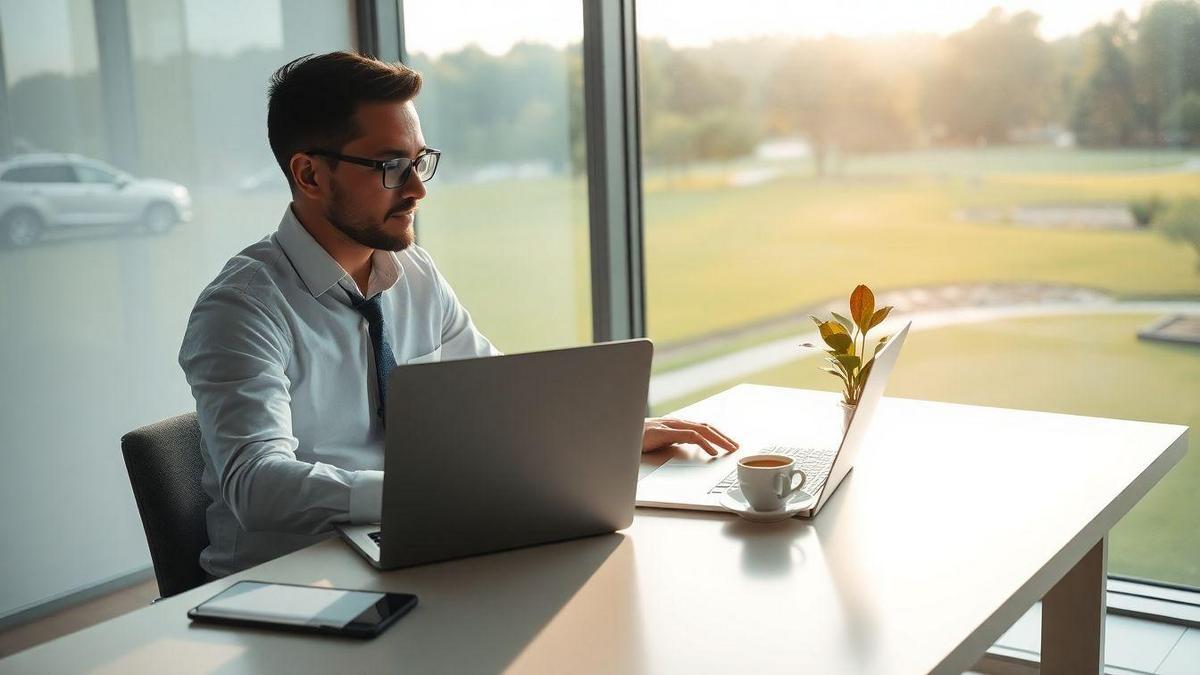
(280, 364)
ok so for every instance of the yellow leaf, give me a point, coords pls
(862, 306)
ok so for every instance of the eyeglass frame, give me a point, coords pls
(382, 165)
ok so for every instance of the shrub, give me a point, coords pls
(1145, 210)
(1182, 224)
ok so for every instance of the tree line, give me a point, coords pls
(1122, 82)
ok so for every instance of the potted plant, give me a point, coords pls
(846, 339)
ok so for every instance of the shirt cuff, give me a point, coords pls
(366, 497)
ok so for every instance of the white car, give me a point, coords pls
(44, 192)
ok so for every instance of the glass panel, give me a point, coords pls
(1004, 177)
(96, 292)
(506, 215)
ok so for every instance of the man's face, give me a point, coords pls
(358, 205)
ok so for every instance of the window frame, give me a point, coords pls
(615, 206)
(612, 111)
(611, 118)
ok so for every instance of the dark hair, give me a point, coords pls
(312, 100)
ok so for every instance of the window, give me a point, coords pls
(93, 174)
(41, 173)
(173, 90)
(506, 216)
(994, 170)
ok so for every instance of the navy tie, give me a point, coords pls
(372, 311)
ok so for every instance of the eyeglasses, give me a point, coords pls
(395, 171)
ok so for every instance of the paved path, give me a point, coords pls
(905, 300)
(683, 381)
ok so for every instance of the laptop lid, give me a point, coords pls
(500, 452)
(852, 442)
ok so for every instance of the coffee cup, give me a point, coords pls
(766, 480)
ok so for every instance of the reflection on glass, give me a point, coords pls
(506, 218)
(1014, 160)
(133, 162)
(55, 195)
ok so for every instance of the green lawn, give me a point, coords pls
(718, 257)
(517, 256)
(1091, 365)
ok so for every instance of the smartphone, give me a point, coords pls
(332, 611)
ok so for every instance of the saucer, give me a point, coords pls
(734, 500)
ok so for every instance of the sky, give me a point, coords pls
(437, 26)
(34, 38)
(683, 23)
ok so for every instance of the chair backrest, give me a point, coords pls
(165, 464)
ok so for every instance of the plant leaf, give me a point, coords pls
(839, 365)
(879, 316)
(816, 320)
(846, 323)
(838, 374)
(850, 361)
(841, 342)
(830, 327)
(862, 306)
(835, 336)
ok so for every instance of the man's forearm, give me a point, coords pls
(277, 493)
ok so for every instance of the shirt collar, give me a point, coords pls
(319, 271)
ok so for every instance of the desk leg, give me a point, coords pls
(1073, 617)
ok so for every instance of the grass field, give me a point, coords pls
(1092, 365)
(718, 257)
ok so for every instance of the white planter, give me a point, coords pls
(847, 415)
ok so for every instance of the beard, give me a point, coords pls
(363, 229)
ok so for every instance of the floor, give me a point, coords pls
(1131, 645)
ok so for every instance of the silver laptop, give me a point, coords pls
(496, 453)
(700, 487)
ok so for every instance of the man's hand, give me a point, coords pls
(659, 432)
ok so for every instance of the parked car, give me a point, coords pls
(44, 192)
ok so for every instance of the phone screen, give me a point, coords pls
(302, 606)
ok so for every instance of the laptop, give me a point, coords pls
(495, 453)
(679, 484)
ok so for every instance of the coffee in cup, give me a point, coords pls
(768, 463)
(766, 480)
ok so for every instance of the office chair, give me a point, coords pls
(164, 464)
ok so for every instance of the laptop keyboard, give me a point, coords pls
(814, 462)
(376, 537)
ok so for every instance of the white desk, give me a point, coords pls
(887, 579)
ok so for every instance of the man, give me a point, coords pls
(288, 349)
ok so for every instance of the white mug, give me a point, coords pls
(766, 480)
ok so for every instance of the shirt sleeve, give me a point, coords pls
(234, 355)
(460, 338)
